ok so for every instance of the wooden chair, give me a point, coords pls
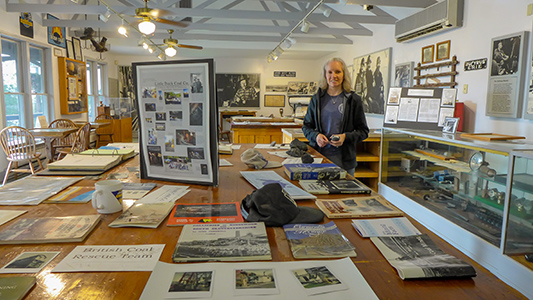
(104, 131)
(66, 142)
(19, 145)
(81, 141)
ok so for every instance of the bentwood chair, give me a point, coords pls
(66, 142)
(19, 145)
(104, 134)
(81, 141)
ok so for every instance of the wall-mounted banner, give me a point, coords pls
(476, 64)
(26, 24)
(284, 73)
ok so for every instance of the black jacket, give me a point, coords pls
(353, 125)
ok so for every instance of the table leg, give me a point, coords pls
(48, 144)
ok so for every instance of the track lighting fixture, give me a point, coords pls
(122, 30)
(305, 27)
(105, 16)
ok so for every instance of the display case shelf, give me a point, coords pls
(477, 195)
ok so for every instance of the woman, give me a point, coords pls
(335, 121)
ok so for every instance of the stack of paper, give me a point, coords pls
(86, 162)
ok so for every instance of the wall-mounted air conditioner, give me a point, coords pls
(438, 17)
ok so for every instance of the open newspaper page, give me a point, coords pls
(417, 256)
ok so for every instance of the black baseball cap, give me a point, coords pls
(272, 205)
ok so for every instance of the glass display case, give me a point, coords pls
(463, 181)
(519, 228)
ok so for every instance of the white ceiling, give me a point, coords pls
(228, 28)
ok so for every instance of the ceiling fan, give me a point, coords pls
(148, 15)
(172, 43)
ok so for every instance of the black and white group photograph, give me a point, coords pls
(238, 90)
(371, 80)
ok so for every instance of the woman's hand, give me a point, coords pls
(321, 140)
(340, 141)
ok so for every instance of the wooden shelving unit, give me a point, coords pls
(367, 170)
(452, 73)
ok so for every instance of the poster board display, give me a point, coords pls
(506, 90)
(177, 122)
(421, 108)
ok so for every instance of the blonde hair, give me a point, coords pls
(346, 82)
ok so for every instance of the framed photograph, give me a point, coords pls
(56, 35)
(443, 50)
(192, 123)
(238, 90)
(448, 97)
(76, 43)
(403, 74)
(450, 125)
(378, 67)
(427, 54)
(70, 49)
(508, 70)
(274, 100)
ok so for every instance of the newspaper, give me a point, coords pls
(261, 178)
(385, 227)
(417, 256)
(33, 190)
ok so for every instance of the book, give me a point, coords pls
(73, 194)
(416, 256)
(85, 162)
(225, 149)
(357, 207)
(222, 242)
(334, 187)
(317, 241)
(124, 153)
(261, 178)
(147, 215)
(8, 215)
(385, 227)
(49, 230)
(314, 171)
(201, 213)
(15, 288)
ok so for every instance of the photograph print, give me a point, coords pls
(191, 282)
(173, 97)
(197, 86)
(246, 279)
(372, 80)
(505, 56)
(29, 262)
(185, 137)
(154, 156)
(196, 114)
(178, 163)
(175, 115)
(403, 74)
(238, 90)
(195, 153)
(169, 143)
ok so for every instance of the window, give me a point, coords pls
(24, 81)
(96, 86)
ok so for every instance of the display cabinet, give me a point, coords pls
(519, 227)
(72, 86)
(460, 189)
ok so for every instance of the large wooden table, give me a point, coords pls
(383, 278)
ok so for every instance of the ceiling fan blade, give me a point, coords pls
(158, 12)
(190, 47)
(170, 22)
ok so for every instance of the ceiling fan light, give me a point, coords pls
(122, 30)
(146, 27)
(171, 51)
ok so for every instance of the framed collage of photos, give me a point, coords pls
(177, 121)
(420, 108)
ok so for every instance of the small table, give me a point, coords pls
(93, 124)
(48, 134)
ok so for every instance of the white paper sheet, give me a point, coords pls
(166, 193)
(111, 258)
(224, 163)
(289, 287)
(429, 110)
(408, 109)
(298, 160)
(385, 227)
(8, 215)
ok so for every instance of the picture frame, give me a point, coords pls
(238, 90)
(443, 50)
(192, 125)
(380, 64)
(58, 52)
(403, 74)
(56, 34)
(274, 101)
(450, 125)
(70, 49)
(76, 43)
(427, 54)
